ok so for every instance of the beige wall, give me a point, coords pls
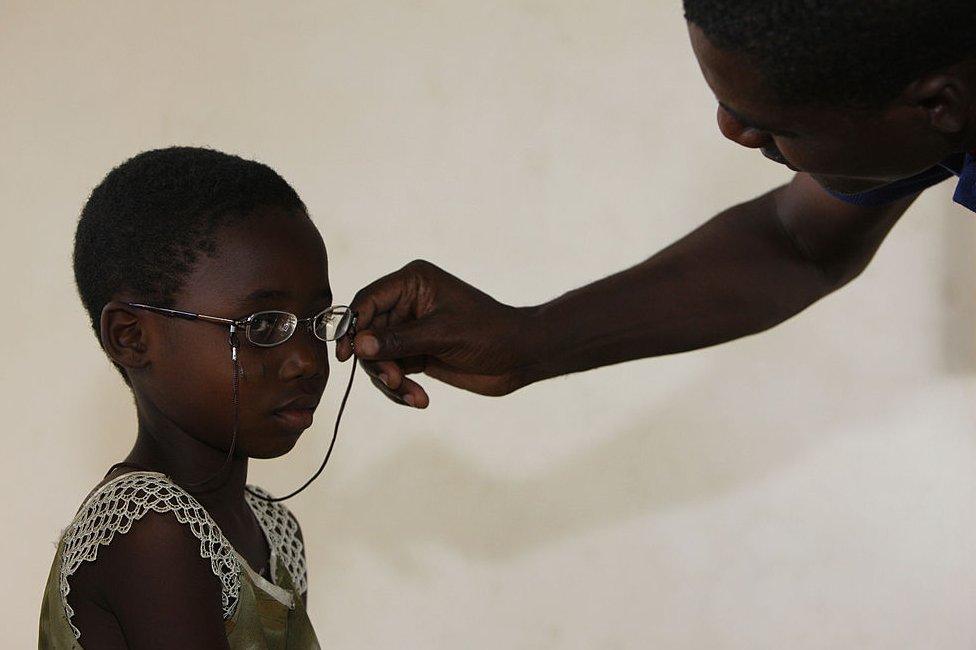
(809, 488)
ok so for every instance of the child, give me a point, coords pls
(192, 265)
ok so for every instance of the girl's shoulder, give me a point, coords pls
(142, 527)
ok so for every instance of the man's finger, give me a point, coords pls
(413, 394)
(385, 294)
(389, 372)
(389, 377)
(376, 297)
(412, 365)
(389, 394)
(343, 348)
(421, 337)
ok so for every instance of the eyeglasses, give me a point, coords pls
(270, 328)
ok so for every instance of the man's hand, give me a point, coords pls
(423, 319)
(744, 271)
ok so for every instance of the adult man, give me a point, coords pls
(869, 102)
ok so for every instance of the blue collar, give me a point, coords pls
(966, 189)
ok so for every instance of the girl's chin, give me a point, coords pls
(271, 445)
(265, 454)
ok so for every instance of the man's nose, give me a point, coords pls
(739, 133)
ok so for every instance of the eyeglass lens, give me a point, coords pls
(332, 324)
(271, 327)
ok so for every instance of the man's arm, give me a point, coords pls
(747, 269)
(744, 271)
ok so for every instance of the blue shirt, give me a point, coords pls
(961, 165)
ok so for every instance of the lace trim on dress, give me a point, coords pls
(281, 529)
(114, 507)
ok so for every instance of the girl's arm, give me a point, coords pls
(154, 583)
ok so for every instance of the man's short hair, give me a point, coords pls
(854, 53)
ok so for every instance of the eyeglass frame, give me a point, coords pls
(239, 323)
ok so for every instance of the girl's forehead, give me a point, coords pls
(259, 259)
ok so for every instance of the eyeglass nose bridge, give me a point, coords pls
(309, 326)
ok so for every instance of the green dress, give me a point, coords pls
(258, 614)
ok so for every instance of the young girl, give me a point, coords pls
(207, 286)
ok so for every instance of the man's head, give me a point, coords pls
(857, 93)
(204, 232)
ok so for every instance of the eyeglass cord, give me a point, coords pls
(192, 486)
(328, 453)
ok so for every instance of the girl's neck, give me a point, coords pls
(163, 447)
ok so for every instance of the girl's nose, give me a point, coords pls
(306, 356)
(739, 133)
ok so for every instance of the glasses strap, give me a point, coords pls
(335, 431)
(328, 453)
(234, 343)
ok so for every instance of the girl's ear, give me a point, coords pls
(124, 336)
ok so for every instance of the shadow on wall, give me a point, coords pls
(426, 493)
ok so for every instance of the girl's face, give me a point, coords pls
(272, 260)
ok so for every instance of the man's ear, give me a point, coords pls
(124, 336)
(947, 100)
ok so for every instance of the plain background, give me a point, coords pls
(812, 487)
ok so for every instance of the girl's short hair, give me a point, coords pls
(145, 225)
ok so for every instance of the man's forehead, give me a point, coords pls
(739, 88)
(733, 78)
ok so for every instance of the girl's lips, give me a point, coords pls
(296, 420)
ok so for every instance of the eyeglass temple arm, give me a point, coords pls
(235, 324)
(185, 315)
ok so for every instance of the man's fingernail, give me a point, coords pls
(410, 400)
(385, 380)
(369, 346)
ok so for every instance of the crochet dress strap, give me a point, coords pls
(281, 529)
(114, 507)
